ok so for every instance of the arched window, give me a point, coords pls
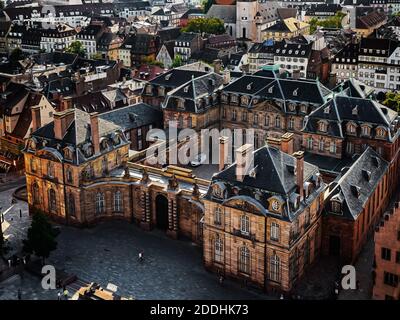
(321, 145)
(278, 121)
(69, 175)
(267, 121)
(256, 119)
(310, 143)
(71, 205)
(35, 193)
(190, 122)
(50, 170)
(322, 127)
(244, 224)
(333, 147)
(291, 123)
(100, 203)
(218, 249)
(33, 165)
(218, 216)
(52, 201)
(244, 260)
(118, 201)
(104, 165)
(234, 115)
(275, 231)
(274, 272)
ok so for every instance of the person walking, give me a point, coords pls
(141, 258)
(59, 296)
(66, 293)
(19, 294)
(221, 279)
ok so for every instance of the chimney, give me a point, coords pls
(299, 155)
(62, 120)
(217, 65)
(226, 74)
(296, 74)
(287, 143)
(94, 129)
(223, 152)
(274, 142)
(64, 104)
(244, 160)
(36, 123)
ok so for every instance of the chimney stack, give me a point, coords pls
(62, 121)
(36, 122)
(244, 160)
(226, 74)
(299, 155)
(217, 65)
(287, 143)
(223, 152)
(94, 129)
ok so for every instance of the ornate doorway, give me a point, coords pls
(162, 212)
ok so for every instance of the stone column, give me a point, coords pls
(145, 204)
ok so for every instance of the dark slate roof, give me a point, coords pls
(134, 116)
(168, 34)
(299, 50)
(176, 77)
(141, 43)
(187, 37)
(267, 87)
(378, 44)
(350, 51)
(225, 12)
(354, 88)
(78, 136)
(273, 174)
(265, 47)
(195, 89)
(100, 101)
(339, 111)
(355, 185)
(370, 20)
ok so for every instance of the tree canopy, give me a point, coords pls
(392, 100)
(76, 47)
(332, 22)
(177, 62)
(207, 25)
(206, 4)
(41, 237)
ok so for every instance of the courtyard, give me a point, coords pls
(108, 253)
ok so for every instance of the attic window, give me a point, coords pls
(186, 89)
(327, 110)
(168, 76)
(355, 190)
(355, 110)
(249, 86)
(336, 206)
(366, 174)
(271, 89)
(295, 92)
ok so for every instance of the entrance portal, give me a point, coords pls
(162, 212)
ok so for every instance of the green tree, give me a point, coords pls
(97, 56)
(207, 25)
(151, 61)
(177, 62)
(331, 22)
(392, 100)
(16, 55)
(206, 4)
(41, 237)
(76, 47)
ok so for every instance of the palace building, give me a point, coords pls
(265, 231)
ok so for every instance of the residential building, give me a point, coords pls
(285, 29)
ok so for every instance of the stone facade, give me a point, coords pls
(387, 257)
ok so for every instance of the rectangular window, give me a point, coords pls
(391, 279)
(386, 254)
(398, 257)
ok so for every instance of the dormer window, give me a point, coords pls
(303, 108)
(295, 92)
(234, 98)
(365, 130)
(249, 86)
(149, 89)
(336, 206)
(224, 97)
(181, 104)
(217, 191)
(327, 110)
(354, 112)
(380, 132)
(351, 128)
(322, 126)
(292, 107)
(161, 91)
(271, 89)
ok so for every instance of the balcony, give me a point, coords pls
(248, 236)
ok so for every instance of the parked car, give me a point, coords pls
(198, 160)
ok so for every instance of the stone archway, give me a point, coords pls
(162, 212)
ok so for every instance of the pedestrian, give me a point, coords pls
(141, 256)
(281, 297)
(19, 294)
(9, 263)
(221, 279)
(59, 296)
(20, 213)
